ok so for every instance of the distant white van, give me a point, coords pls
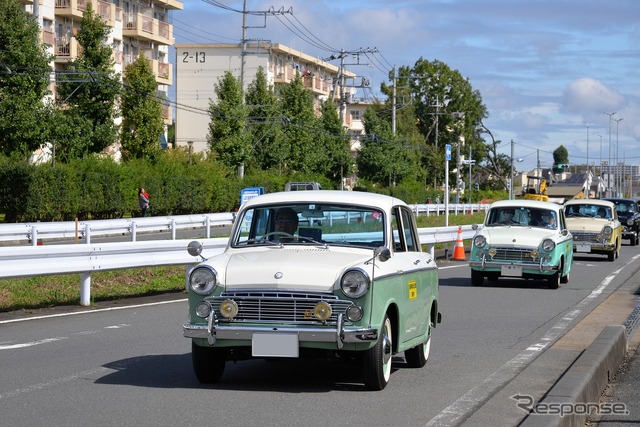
(301, 186)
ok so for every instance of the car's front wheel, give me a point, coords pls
(417, 356)
(377, 360)
(477, 278)
(208, 363)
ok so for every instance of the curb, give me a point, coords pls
(583, 382)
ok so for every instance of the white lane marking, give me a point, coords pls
(47, 384)
(30, 344)
(91, 311)
(472, 400)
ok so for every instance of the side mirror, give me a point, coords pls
(194, 248)
(383, 253)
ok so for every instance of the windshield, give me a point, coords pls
(310, 223)
(624, 206)
(588, 210)
(520, 216)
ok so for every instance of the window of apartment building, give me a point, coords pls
(356, 115)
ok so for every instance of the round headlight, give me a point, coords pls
(354, 313)
(630, 222)
(479, 241)
(322, 311)
(355, 283)
(203, 309)
(548, 245)
(607, 231)
(202, 280)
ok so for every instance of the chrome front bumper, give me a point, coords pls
(525, 267)
(223, 332)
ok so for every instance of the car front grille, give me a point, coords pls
(514, 254)
(581, 236)
(280, 307)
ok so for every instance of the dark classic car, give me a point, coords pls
(629, 216)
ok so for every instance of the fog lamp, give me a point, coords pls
(228, 309)
(322, 310)
(492, 252)
(354, 313)
(203, 309)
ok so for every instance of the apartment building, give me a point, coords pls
(200, 66)
(138, 26)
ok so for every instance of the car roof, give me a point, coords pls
(326, 196)
(526, 203)
(598, 202)
(620, 199)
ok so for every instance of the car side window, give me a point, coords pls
(405, 238)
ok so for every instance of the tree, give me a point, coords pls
(227, 136)
(269, 150)
(300, 129)
(24, 81)
(336, 142)
(560, 158)
(90, 85)
(142, 122)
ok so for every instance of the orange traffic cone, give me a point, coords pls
(458, 250)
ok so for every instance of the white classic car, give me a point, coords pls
(522, 238)
(315, 273)
(595, 227)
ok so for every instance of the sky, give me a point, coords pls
(549, 72)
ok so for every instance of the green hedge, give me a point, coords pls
(95, 188)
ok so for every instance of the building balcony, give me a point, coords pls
(66, 49)
(25, 1)
(167, 114)
(143, 27)
(317, 85)
(170, 4)
(76, 8)
(48, 37)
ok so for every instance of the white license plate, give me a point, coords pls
(266, 344)
(583, 248)
(511, 270)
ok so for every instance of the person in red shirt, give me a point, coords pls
(143, 200)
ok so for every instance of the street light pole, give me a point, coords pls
(511, 174)
(609, 164)
(619, 175)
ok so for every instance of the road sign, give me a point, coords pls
(447, 150)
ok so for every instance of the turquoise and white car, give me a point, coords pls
(522, 239)
(348, 281)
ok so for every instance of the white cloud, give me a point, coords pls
(587, 95)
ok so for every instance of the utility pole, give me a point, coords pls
(619, 175)
(393, 101)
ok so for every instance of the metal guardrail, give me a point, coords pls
(29, 261)
(82, 231)
(35, 232)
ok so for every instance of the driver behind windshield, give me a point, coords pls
(286, 221)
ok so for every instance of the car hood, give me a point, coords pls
(588, 224)
(290, 268)
(530, 237)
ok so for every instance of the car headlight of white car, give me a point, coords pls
(548, 245)
(355, 283)
(479, 241)
(607, 231)
(203, 280)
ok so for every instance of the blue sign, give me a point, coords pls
(447, 151)
(249, 193)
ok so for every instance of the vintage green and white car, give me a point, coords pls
(522, 238)
(595, 227)
(315, 274)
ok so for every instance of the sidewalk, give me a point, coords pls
(624, 389)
